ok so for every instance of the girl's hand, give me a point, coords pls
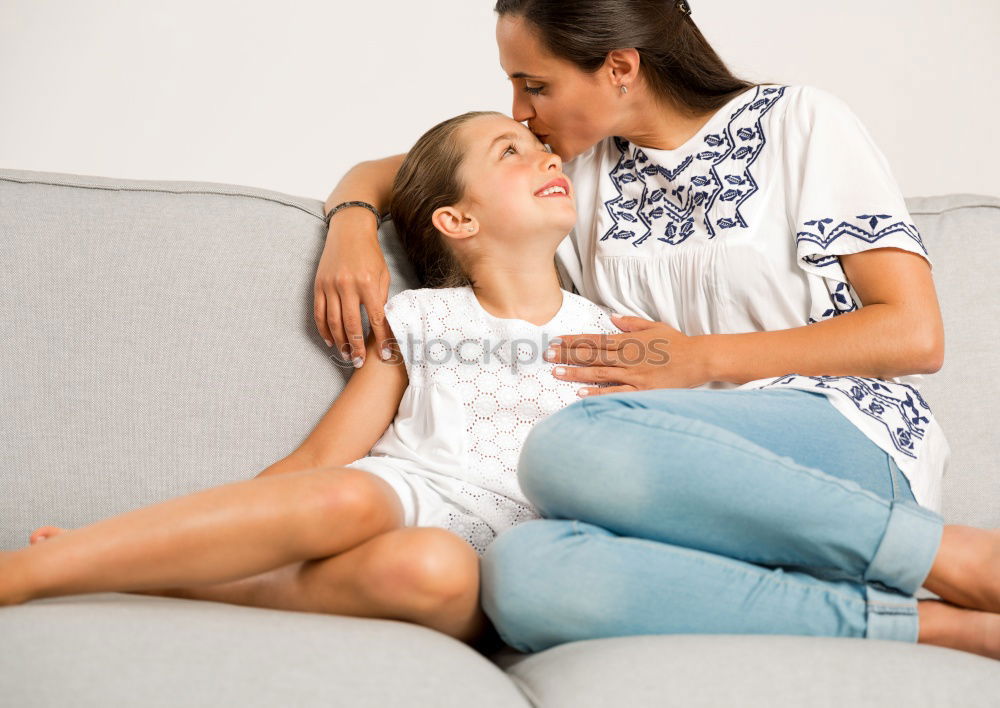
(652, 355)
(352, 271)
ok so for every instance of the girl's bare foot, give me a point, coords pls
(966, 571)
(44, 532)
(946, 625)
(12, 581)
(12, 584)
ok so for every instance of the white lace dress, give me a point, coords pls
(477, 384)
(740, 229)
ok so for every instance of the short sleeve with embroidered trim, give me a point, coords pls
(842, 197)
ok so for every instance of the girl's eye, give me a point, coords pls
(533, 90)
(509, 148)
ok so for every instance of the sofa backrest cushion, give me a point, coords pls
(159, 339)
(962, 236)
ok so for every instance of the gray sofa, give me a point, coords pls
(158, 339)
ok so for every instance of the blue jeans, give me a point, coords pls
(701, 511)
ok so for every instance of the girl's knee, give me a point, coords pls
(347, 492)
(425, 567)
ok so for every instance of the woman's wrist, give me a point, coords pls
(354, 221)
(712, 356)
(355, 204)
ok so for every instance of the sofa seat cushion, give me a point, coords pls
(118, 649)
(753, 672)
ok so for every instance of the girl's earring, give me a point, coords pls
(624, 89)
(470, 228)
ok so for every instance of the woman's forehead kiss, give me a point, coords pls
(494, 133)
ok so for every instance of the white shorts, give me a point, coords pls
(424, 505)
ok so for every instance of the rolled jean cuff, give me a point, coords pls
(891, 616)
(906, 553)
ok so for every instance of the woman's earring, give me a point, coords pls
(470, 228)
(624, 89)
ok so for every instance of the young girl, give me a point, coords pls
(385, 508)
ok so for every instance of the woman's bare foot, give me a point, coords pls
(966, 571)
(946, 625)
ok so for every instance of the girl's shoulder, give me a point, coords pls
(588, 316)
(426, 312)
(426, 298)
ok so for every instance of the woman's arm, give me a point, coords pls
(897, 332)
(352, 270)
(369, 181)
(356, 420)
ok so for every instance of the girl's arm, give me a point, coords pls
(355, 421)
(352, 269)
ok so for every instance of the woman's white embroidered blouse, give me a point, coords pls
(739, 229)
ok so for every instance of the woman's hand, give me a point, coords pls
(651, 355)
(352, 271)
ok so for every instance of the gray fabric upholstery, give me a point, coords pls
(116, 649)
(962, 235)
(158, 339)
(754, 672)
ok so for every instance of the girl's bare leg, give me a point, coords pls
(423, 575)
(214, 535)
(427, 576)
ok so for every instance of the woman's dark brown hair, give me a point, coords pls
(427, 180)
(676, 61)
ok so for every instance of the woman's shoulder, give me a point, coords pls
(773, 103)
(805, 104)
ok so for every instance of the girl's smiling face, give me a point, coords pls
(506, 171)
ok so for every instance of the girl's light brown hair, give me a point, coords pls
(427, 180)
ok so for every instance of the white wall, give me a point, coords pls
(289, 95)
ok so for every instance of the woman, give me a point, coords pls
(758, 230)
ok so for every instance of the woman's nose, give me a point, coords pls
(521, 110)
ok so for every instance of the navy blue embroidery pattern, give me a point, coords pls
(873, 233)
(840, 298)
(823, 235)
(897, 406)
(664, 205)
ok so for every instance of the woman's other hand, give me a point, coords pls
(352, 271)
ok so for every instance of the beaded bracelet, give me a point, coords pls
(344, 205)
